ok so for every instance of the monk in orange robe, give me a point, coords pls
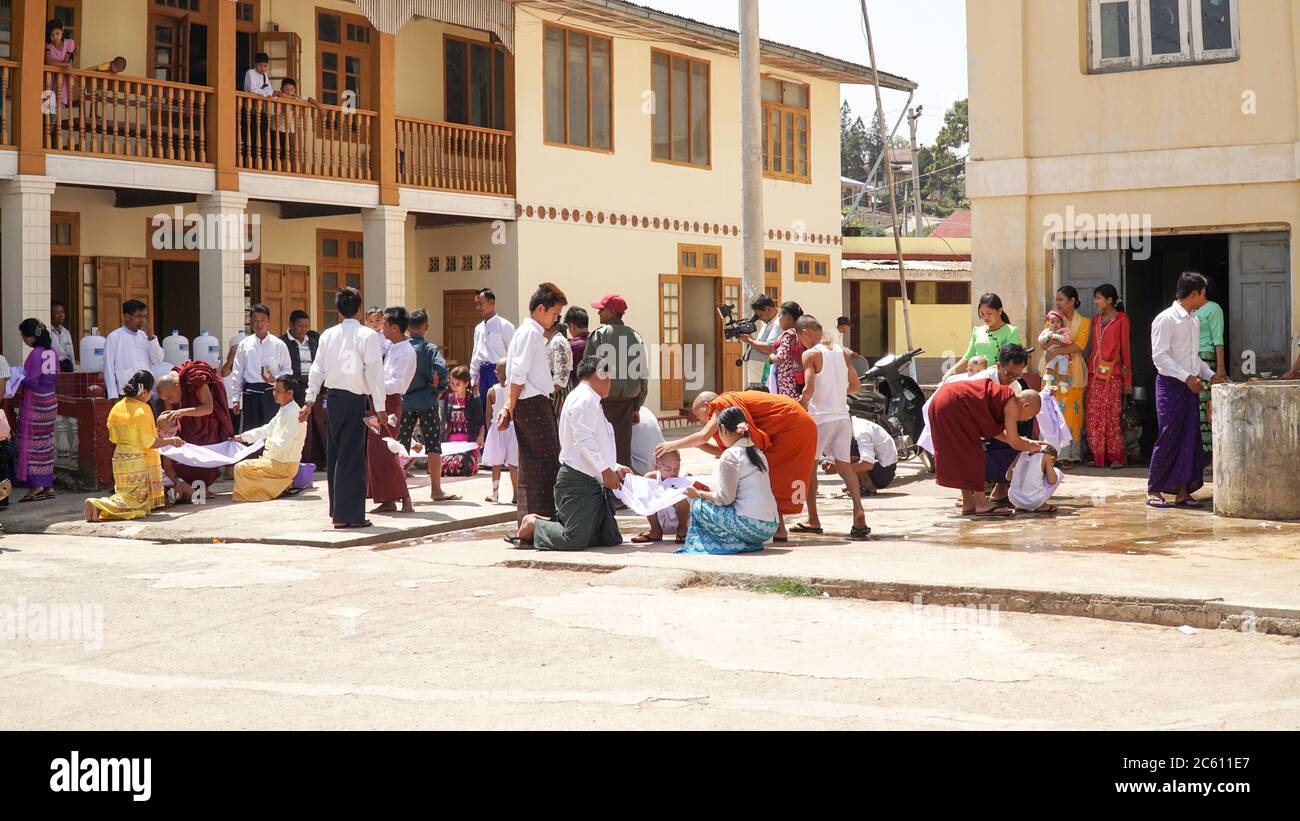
(779, 426)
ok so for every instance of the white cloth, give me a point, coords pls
(561, 358)
(500, 447)
(126, 352)
(646, 434)
(63, 347)
(835, 439)
(284, 435)
(212, 456)
(830, 399)
(528, 363)
(15, 382)
(251, 356)
(1052, 427)
(348, 358)
(647, 497)
(1030, 489)
(755, 360)
(1176, 344)
(257, 83)
(304, 353)
(586, 436)
(875, 445)
(399, 368)
(4, 368)
(492, 339)
(738, 483)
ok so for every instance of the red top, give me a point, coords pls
(1110, 342)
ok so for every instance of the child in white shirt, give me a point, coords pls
(1034, 479)
(677, 518)
(501, 446)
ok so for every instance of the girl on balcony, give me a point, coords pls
(39, 407)
(58, 53)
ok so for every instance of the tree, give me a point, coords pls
(943, 184)
(853, 144)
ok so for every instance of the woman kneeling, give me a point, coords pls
(739, 514)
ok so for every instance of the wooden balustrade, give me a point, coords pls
(111, 115)
(453, 157)
(8, 73)
(304, 139)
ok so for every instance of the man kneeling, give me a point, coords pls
(589, 470)
(264, 479)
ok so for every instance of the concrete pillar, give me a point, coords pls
(25, 255)
(751, 156)
(221, 264)
(384, 229)
(1256, 450)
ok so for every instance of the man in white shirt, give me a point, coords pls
(492, 339)
(64, 348)
(349, 369)
(874, 456)
(264, 479)
(759, 348)
(1178, 460)
(301, 341)
(130, 348)
(589, 470)
(385, 479)
(257, 80)
(528, 403)
(259, 359)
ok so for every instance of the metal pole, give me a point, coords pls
(751, 154)
(912, 117)
(889, 173)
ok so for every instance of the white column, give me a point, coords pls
(384, 283)
(751, 156)
(25, 255)
(221, 264)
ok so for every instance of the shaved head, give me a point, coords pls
(700, 407)
(1032, 400)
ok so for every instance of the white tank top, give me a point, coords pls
(830, 399)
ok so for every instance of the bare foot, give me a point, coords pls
(407, 507)
(92, 512)
(647, 538)
(445, 497)
(386, 507)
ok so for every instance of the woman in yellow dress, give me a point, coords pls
(1069, 392)
(137, 466)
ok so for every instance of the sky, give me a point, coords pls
(923, 40)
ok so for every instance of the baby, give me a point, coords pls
(1055, 336)
(977, 364)
(676, 518)
(1034, 479)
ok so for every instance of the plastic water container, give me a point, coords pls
(207, 348)
(236, 339)
(306, 476)
(176, 349)
(92, 352)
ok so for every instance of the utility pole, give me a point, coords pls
(912, 116)
(889, 173)
(751, 155)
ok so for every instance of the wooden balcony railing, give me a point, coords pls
(8, 73)
(108, 115)
(304, 139)
(452, 157)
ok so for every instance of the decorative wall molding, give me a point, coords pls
(664, 222)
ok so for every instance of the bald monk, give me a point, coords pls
(962, 416)
(779, 426)
(194, 402)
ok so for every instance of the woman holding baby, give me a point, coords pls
(1063, 343)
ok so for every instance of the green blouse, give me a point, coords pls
(988, 344)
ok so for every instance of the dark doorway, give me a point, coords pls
(176, 298)
(63, 288)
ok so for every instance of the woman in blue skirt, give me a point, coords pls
(738, 514)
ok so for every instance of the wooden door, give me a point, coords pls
(284, 289)
(1259, 304)
(340, 263)
(672, 384)
(730, 375)
(459, 317)
(118, 279)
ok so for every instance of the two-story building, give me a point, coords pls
(1126, 141)
(448, 145)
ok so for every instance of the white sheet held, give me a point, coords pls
(212, 456)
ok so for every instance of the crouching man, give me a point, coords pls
(589, 470)
(264, 479)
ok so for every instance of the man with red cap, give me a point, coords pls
(624, 355)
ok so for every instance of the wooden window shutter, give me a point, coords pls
(672, 388)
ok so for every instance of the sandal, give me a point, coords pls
(1045, 510)
(1160, 503)
(860, 534)
(1001, 510)
(1189, 504)
(352, 526)
(645, 538)
(446, 497)
(803, 528)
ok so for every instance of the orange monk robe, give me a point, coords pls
(786, 434)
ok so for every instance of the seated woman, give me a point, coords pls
(137, 467)
(739, 514)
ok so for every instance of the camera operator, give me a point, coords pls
(758, 348)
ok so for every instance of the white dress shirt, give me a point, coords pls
(257, 83)
(284, 435)
(63, 347)
(1176, 344)
(739, 484)
(492, 339)
(252, 355)
(875, 445)
(126, 352)
(399, 367)
(348, 359)
(586, 436)
(304, 353)
(528, 363)
(756, 360)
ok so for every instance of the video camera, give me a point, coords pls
(733, 328)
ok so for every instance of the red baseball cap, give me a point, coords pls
(614, 302)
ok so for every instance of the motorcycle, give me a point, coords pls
(891, 398)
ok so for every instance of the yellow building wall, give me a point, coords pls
(942, 330)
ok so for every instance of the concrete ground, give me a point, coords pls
(436, 634)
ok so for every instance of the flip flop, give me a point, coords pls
(1045, 510)
(1116, 466)
(645, 538)
(511, 540)
(450, 497)
(353, 526)
(1159, 503)
(1190, 504)
(860, 534)
(803, 528)
(997, 511)
(42, 497)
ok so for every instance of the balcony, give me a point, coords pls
(304, 139)
(450, 157)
